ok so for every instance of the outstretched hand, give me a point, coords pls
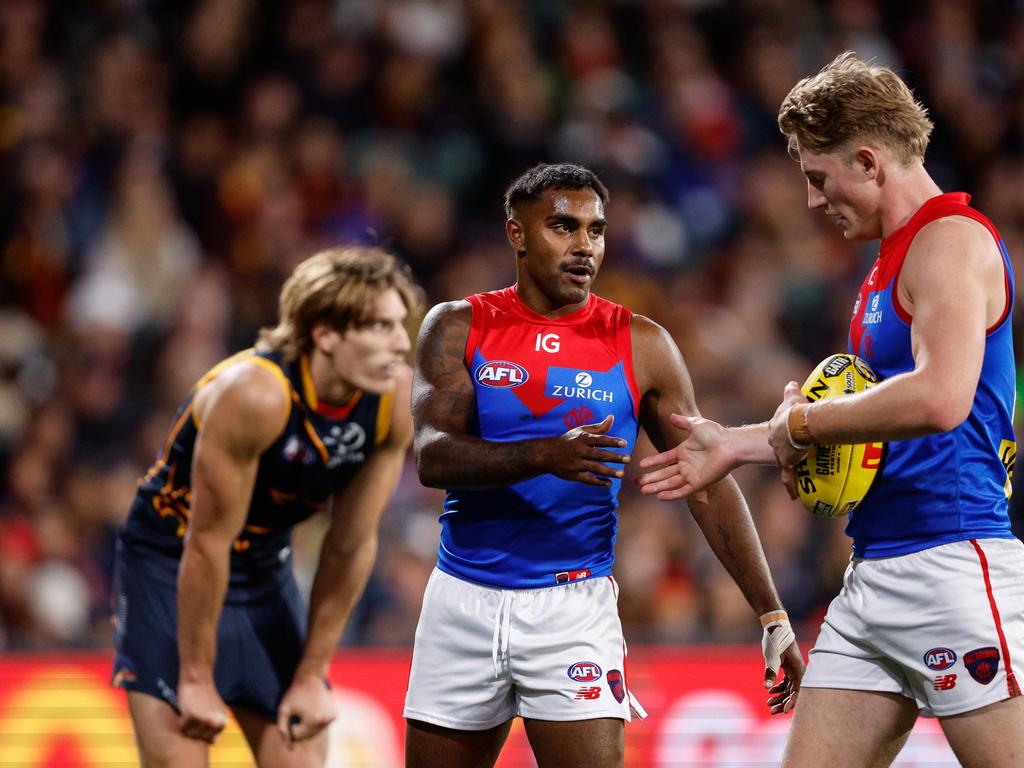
(702, 459)
(581, 454)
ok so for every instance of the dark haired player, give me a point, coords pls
(526, 404)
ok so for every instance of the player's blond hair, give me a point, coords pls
(849, 101)
(337, 287)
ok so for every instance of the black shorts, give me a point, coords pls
(259, 640)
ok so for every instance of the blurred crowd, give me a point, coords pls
(164, 164)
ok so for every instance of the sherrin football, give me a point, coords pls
(834, 479)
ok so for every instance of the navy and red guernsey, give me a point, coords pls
(949, 486)
(539, 377)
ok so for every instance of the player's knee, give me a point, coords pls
(172, 753)
(308, 753)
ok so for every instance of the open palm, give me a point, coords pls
(703, 458)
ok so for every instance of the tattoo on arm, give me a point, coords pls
(444, 408)
(725, 536)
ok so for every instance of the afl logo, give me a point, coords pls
(501, 374)
(584, 672)
(940, 658)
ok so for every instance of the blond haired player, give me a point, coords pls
(931, 615)
(317, 416)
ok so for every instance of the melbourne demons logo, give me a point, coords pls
(616, 684)
(500, 374)
(577, 417)
(982, 663)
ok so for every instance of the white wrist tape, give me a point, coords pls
(777, 637)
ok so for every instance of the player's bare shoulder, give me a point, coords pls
(442, 392)
(441, 346)
(655, 354)
(444, 331)
(958, 250)
(967, 236)
(249, 399)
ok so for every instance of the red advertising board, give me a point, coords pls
(705, 709)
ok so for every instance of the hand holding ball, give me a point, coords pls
(833, 479)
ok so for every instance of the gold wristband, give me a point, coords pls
(800, 436)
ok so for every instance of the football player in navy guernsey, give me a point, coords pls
(208, 613)
(526, 404)
(931, 615)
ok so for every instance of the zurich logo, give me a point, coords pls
(501, 374)
(584, 379)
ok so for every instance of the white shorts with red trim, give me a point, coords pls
(944, 627)
(484, 655)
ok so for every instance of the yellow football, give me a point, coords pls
(833, 479)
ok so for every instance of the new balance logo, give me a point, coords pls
(588, 693)
(945, 682)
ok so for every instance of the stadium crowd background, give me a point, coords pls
(163, 165)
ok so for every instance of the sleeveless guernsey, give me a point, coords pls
(538, 377)
(316, 455)
(944, 487)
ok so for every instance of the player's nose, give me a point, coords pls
(581, 243)
(402, 341)
(815, 198)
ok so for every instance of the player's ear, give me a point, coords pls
(516, 236)
(324, 337)
(866, 159)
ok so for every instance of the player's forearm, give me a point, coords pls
(901, 408)
(450, 460)
(202, 583)
(730, 532)
(339, 582)
(749, 444)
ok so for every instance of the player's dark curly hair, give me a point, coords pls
(531, 185)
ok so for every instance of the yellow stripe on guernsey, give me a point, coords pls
(248, 356)
(307, 383)
(320, 447)
(168, 444)
(384, 407)
(309, 389)
(309, 392)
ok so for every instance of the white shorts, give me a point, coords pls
(484, 655)
(944, 627)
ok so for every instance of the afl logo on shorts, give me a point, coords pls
(501, 374)
(585, 672)
(939, 659)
